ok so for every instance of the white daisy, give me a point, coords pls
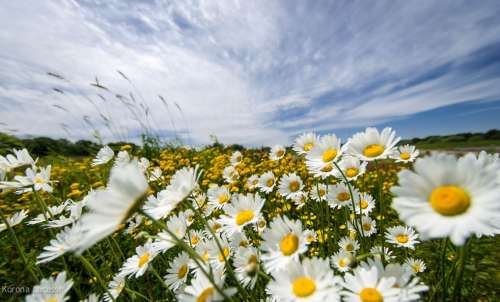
(189, 216)
(104, 155)
(283, 242)
(115, 287)
(305, 142)
(246, 263)
(230, 174)
(218, 197)
(367, 285)
(253, 182)
(300, 199)
(51, 289)
(351, 167)
(122, 158)
(52, 211)
(183, 182)
(290, 186)
(312, 281)
(236, 158)
(402, 236)
(139, 263)
(17, 159)
(364, 204)
(111, 207)
(371, 145)
(320, 159)
(143, 164)
(239, 240)
(377, 253)
(38, 180)
(267, 181)
(65, 241)
(202, 290)
(161, 205)
(405, 154)
(164, 241)
(369, 226)
(319, 192)
(417, 265)
(348, 244)
(194, 237)
(14, 220)
(409, 286)
(156, 174)
(243, 210)
(339, 196)
(219, 256)
(277, 152)
(311, 236)
(178, 272)
(446, 197)
(342, 261)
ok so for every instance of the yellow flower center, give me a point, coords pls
(223, 198)
(205, 295)
(321, 192)
(449, 200)
(369, 294)
(181, 273)
(342, 263)
(215, 227)
(327, 168)
(261, 223)
(416, 267)
(205, 256)
(402, 238)
(224, 254)
(343, 196)
(280, 153)
(373, 150)
(303, 287)
(294, 186)
(308, 147)
(405, 156)
(143, 259)
(289, 244)
(349, 247)
(329, 155)
(243, 243)
(52, 300)
(244, 217)
(252, 259)
(367, 226)
(270, 182)
(39, 180)
(364, 204)
(195, 240)
(351, 172)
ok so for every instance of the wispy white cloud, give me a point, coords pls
(252, 72)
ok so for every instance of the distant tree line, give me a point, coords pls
(43, 146)
(490, 135)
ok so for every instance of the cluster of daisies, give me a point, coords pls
(220, 245)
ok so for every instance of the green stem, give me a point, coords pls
(93, 271)
(457, 288)
(192, 253)
(19, 247)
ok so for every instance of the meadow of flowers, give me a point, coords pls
(324, 220)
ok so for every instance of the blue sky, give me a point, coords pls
(250, 72)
